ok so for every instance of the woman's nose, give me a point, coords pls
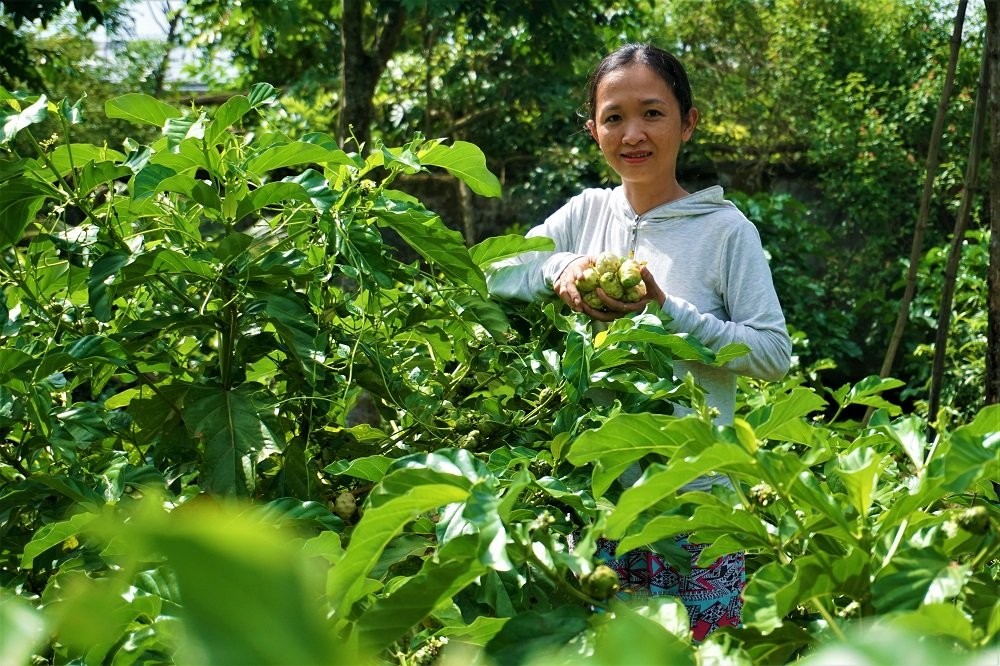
(633, 134)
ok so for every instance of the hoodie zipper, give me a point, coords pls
(635, 237)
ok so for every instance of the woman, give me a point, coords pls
(704, 265)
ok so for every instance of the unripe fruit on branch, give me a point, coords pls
(601, 583)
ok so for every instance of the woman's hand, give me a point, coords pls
(565, 288)
(565, 285)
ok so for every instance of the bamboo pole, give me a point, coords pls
(916, 249)
(993, 275)
(958, 237)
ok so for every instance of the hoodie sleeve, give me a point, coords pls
(531, 275)
(755, 316)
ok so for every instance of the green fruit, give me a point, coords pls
(601, 583)
(635, 293)
(608, 263)
(611, 286)
(593, 300)
(975, 520)
(587, 280)
(630, 273)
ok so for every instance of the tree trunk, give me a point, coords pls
(958, 237)
(916, 249)
(993, 276)
(362, 67)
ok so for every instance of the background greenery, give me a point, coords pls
(216, 294)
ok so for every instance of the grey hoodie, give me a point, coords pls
(704, 254)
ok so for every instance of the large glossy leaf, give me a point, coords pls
(661, 481)
(534, 633)
(783, 419)
(915, 578)
(625, 438)
(249, 593)
(20, 201)
(466, 162)
(377, 527)
(269, 194)
(427, 234)
(498, 248)
(53, 534)
(293, 154)
(859, 470)
(231, 111)
(230, 427)
(641, 635)
(140, 108)
(14, 122)
(369, 468)
(439, 579)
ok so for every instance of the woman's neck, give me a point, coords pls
(644, 199)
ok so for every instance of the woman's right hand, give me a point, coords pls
(565, 284)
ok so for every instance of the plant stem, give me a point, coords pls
(830, 620)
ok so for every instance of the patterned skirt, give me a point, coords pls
(712, 595)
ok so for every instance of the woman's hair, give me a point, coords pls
(668, 67)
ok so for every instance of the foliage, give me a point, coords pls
(236, 428)
(965, 359)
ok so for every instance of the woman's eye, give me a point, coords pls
(612, 118)
(654, 113)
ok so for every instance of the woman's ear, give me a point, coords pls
(592, 130)
(689, 124)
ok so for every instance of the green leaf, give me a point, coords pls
(271, 193)
(369, 468)
(179, 129)
(439, 580)
(294, 153)
(231, 111)
(67, 157)
(98, 282)
(295, 325)
(426, 233)
(859, 471)
(466, 162)
(262, 94)
(97, 347)
(248, 589)
(140, 108)
(377, 527)
(533, 634)
(22, 629)
(916, 577)
(17, 121)
(498, 248)
(53, 534)
(231, 430)
(625, 438)
(636, 632)
(484, 312)
(782, 419)
(934, 619)
(147, 182)
(20, 201)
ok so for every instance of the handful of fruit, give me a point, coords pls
(621, 279)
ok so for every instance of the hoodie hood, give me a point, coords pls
(703, 202)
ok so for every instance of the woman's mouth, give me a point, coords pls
(637, 156)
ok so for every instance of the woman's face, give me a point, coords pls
(639, 126)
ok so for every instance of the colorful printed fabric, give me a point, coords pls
(712, 596)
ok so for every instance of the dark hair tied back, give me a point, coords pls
(665, 64)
